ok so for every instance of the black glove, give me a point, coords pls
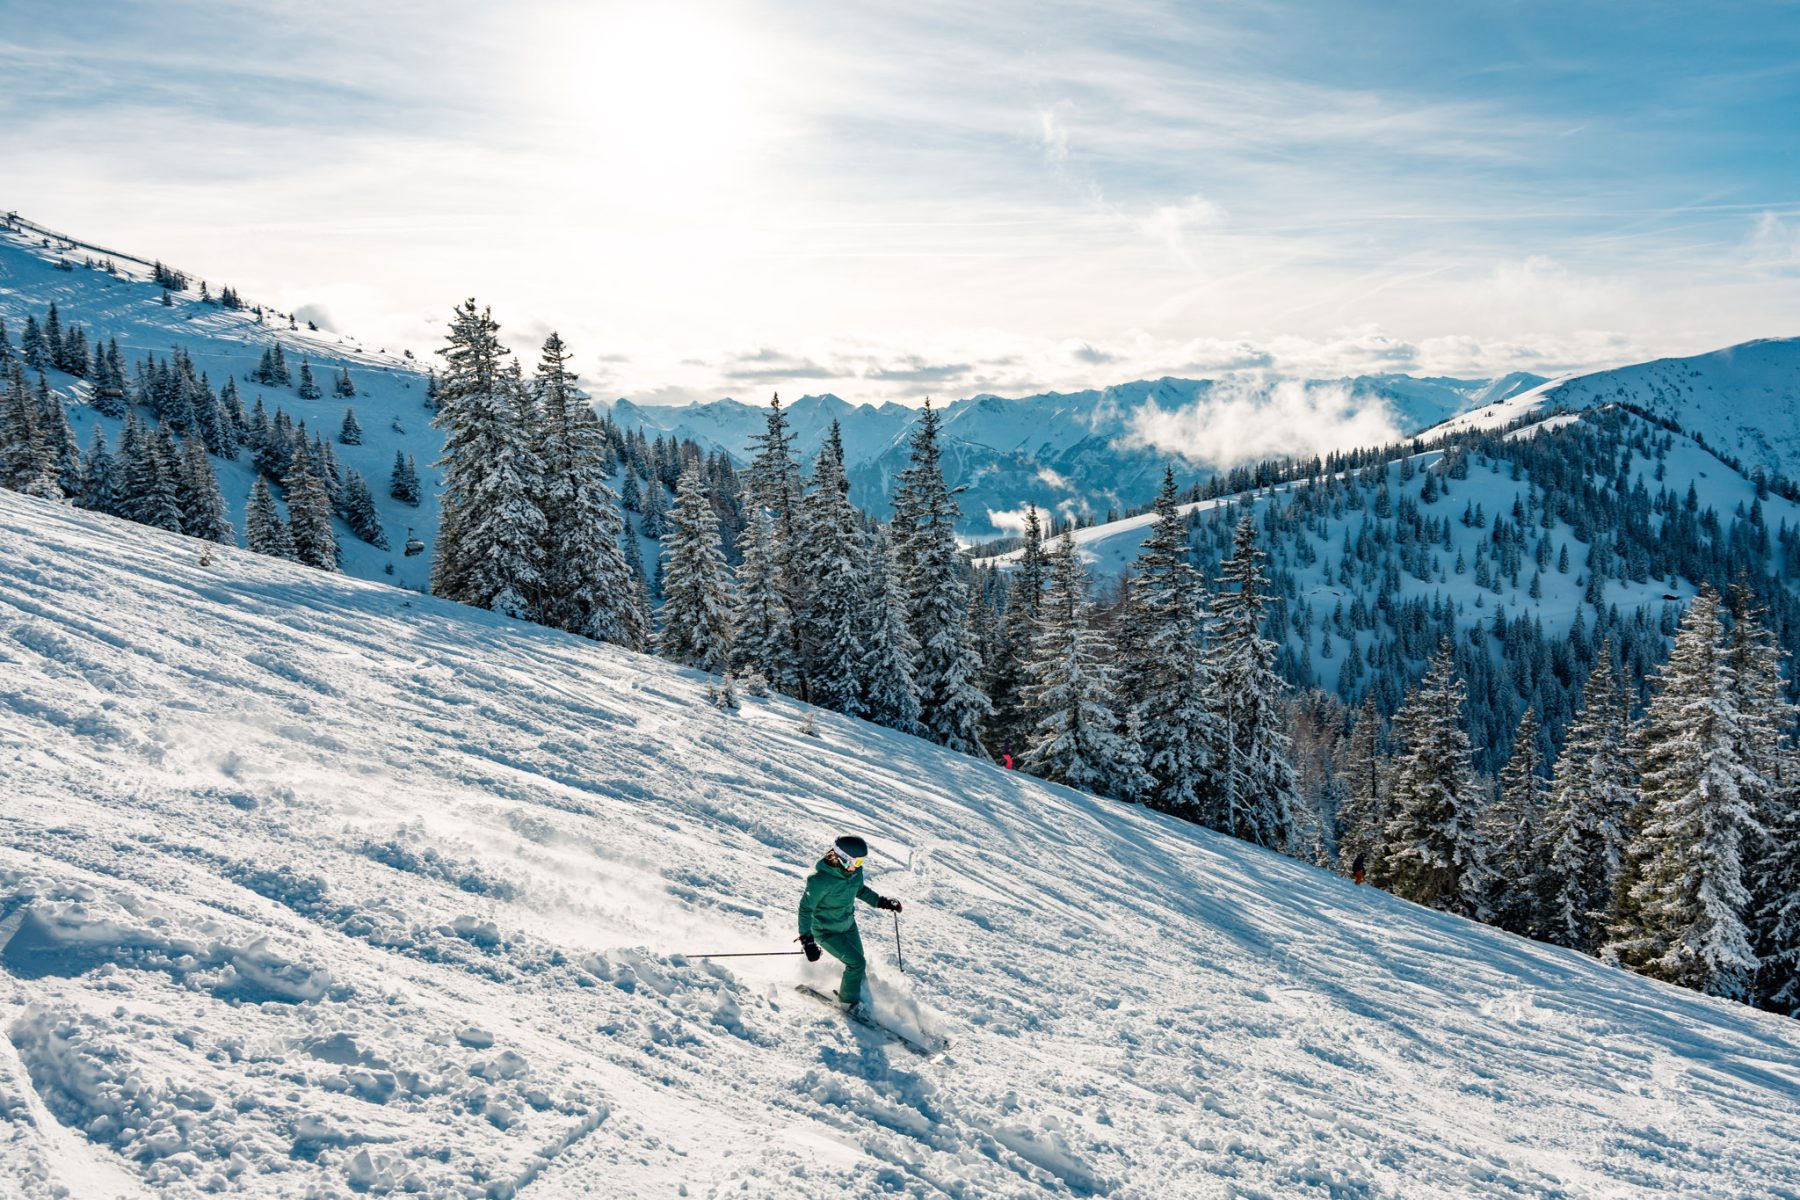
(890, 905)
(810, 948)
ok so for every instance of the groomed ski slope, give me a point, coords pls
(310, 886)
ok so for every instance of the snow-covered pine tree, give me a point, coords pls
(59, 440)
(345, 387)
(53, 338)
(1682, 915)
(1177, 701)
(829, 557)
(764, 639)
(350, 432)
(278, 369)
(403, 482)
(947, 672)
(1250, 791)
(309, 387)
(264, 530)
(153, 479)
(588, 589)
(653, 522)
(890, 696)
(1008, 729)
(1432, 850)
(203, 513)
(697, 600)
(309, 518)
(1771, 855)
(774, 477)
(773, 484)
(360, 512)
(32, 346)
(1080, 737)
(98, 492)
(1513, 832)
(1362, 814)
(1582, 842)
(27, 463)
(490, 532)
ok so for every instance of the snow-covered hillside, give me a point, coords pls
(1072, 453)
(1743, 401)
(309, 885)
(127, 306)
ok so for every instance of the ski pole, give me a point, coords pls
(751, 954)
(898, 957)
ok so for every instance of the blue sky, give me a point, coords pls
(722, 199)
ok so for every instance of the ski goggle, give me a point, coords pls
(844, 860)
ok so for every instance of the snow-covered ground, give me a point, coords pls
(309, 885)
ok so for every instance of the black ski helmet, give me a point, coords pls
(850, 847)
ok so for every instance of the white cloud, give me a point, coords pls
(1774, 244)
(1175, 226)
(1246, 420)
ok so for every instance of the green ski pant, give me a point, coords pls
(845, 945)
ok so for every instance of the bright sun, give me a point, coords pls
(652, 94)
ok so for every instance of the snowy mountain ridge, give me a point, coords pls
(1073, 453)
(310, 886)
(1743, 401)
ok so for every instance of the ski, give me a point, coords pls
(858, 1014)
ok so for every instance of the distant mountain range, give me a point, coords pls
(1082, 452)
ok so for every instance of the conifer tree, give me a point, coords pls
(1079, 739)
(279, 375)
(202, 507)
(1363, 812)
(1009, 727)
(1583, 839)
(32, 346)
(53, 339)
(890, 695)
(829, 555)
(98, 492)
(264, 530)
(1514, 830)
(696, 613)
(1251, 791)
(360, 512)
(350, 432)
(947, 672)
(27, 463)
(345, 387)
(588, 589)
(1772, 852)
(490, 532)
(764, 639)
(309, 518)
(1432, 851)
(152, 487)
(653, 522)
(1682, 915)
(1177, 702)
(403, 483)
(59, 440)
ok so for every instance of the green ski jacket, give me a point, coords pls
(828, 904)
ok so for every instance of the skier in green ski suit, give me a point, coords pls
(828, 912)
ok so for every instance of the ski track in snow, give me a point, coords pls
(310, 886)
